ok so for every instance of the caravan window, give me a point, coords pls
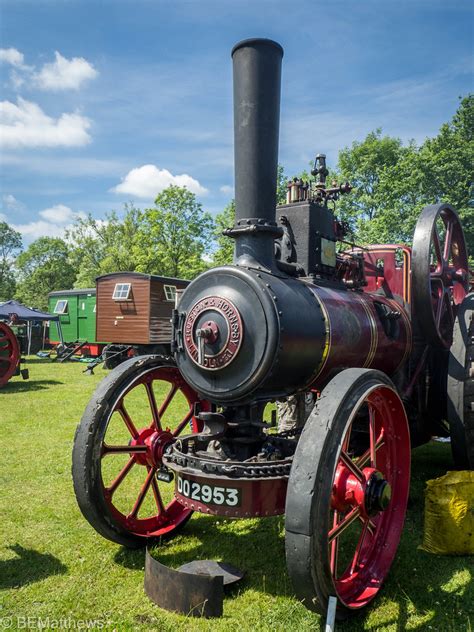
(61, 307)
(122, 292)
(170, 292)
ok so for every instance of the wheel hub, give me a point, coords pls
(372, 494)
(377, 494)
(155, 442)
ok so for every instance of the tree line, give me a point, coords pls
(176, 237)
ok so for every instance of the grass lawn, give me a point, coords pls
(53, 565)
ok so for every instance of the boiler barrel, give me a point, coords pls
(362, 330)
(271, 336)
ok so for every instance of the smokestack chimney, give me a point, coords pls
(257, 84)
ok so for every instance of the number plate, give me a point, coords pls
(209, 494)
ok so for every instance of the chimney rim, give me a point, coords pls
(257, 40)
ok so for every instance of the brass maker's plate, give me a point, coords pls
(230, 328)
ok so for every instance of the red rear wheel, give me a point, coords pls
(9, 353)
(134, 414)
(348, 492)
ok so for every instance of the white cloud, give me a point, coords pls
(40, 228)
(26, 125)
(12, 56)
(148, 180)
(10, 202)
(60, 214)
(227, 190)
(64, 74)
(53, 223)
(3, 218)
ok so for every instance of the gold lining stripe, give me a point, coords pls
(374, 335)
(327, 342)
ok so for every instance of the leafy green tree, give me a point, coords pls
(42, 268)
(393, 183)
(174, 236)
(103, 246)
(10, 244)
(448, 165)
(365, 165)
(224, 252)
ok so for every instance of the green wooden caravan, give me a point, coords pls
(76, 310)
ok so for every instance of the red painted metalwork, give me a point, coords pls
(259, 496)
(145, 449)
(371, 489)
(387, 268)
(355, 333)
(9, 354)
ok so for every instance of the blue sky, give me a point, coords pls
(105, 102)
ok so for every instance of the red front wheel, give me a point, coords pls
(9, 354)
(348, 492)
(136, 411)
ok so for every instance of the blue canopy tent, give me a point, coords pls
(10, 309)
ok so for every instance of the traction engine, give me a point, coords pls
(368, 331)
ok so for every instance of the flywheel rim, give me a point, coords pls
(439, 273)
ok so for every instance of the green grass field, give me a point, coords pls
(54, 566)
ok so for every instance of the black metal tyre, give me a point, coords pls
(439, 273)
(347, 492)
(461, 386)
(136, 410)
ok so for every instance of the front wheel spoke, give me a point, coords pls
(360, 544)
(121, 449)
(153, 406)
(334, 548)
(157, 495)
(183, 423)
(364, 459)
(121, 475)
(347, 439)
(373, 451)
(142, 494)
(371, 526)
(351, 466)
(169, 397)
(344, 524)
(127, 420)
